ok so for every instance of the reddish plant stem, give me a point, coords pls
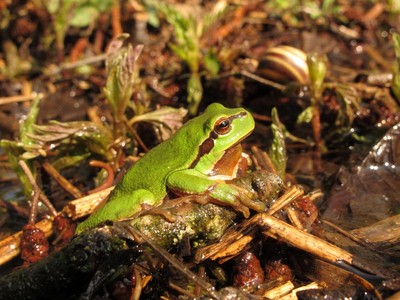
(37, 193)
(99, 36)
(116, 20)
(78, 49)
(110, 175)
(62, 181)
(316, 127)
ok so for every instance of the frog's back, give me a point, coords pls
(151, 171)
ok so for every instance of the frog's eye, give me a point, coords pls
(222, 126)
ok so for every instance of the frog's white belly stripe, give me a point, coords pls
(221, 177)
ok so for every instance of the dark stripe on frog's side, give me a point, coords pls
(204, 149)
(208, 143)
(239, 115)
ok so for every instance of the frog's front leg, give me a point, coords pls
(190, 181)
(120, 206)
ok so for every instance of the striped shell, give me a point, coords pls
(284, 64)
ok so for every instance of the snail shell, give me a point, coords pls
(284, 64)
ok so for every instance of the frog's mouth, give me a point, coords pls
(242, 138)
(239, 116)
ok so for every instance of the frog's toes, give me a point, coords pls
(243, 209)
(238, 198)
(253, 204)
(155, 210)
(245, 202)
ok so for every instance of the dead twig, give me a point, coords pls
(37, 193)
(278, 229)
(20, 98)
(86, 205)
(262, 80)
(263, 160)
(291, 195)
(238, 238)
(54, 70)
(62, 181)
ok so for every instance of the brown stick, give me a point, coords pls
(303, 240)
(21, 98)
(116, 20)
(64, 183)
(36, 194)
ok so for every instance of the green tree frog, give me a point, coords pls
(198, 159)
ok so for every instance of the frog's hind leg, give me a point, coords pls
(192, 182)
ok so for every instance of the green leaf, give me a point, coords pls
(27, 126)
(211, 63)
(188, 31)
(187, 35)
(52, 5)
(195, 92)
(278, 148)
(305, 116)
(95, 137)
(394, 6)
(69, 161)
(317, 69)
(153, 19)
(349, 100)
(396, 41)
(84, 15)
(151, 9)
(181, 52)
(17, 150)
(166, 119)
(122, 75)
(396, 81)
(396, 67)
(102, 5)
(14, 153)
(217, 12)
(25, 149)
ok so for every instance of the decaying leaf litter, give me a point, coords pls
(72, 94)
